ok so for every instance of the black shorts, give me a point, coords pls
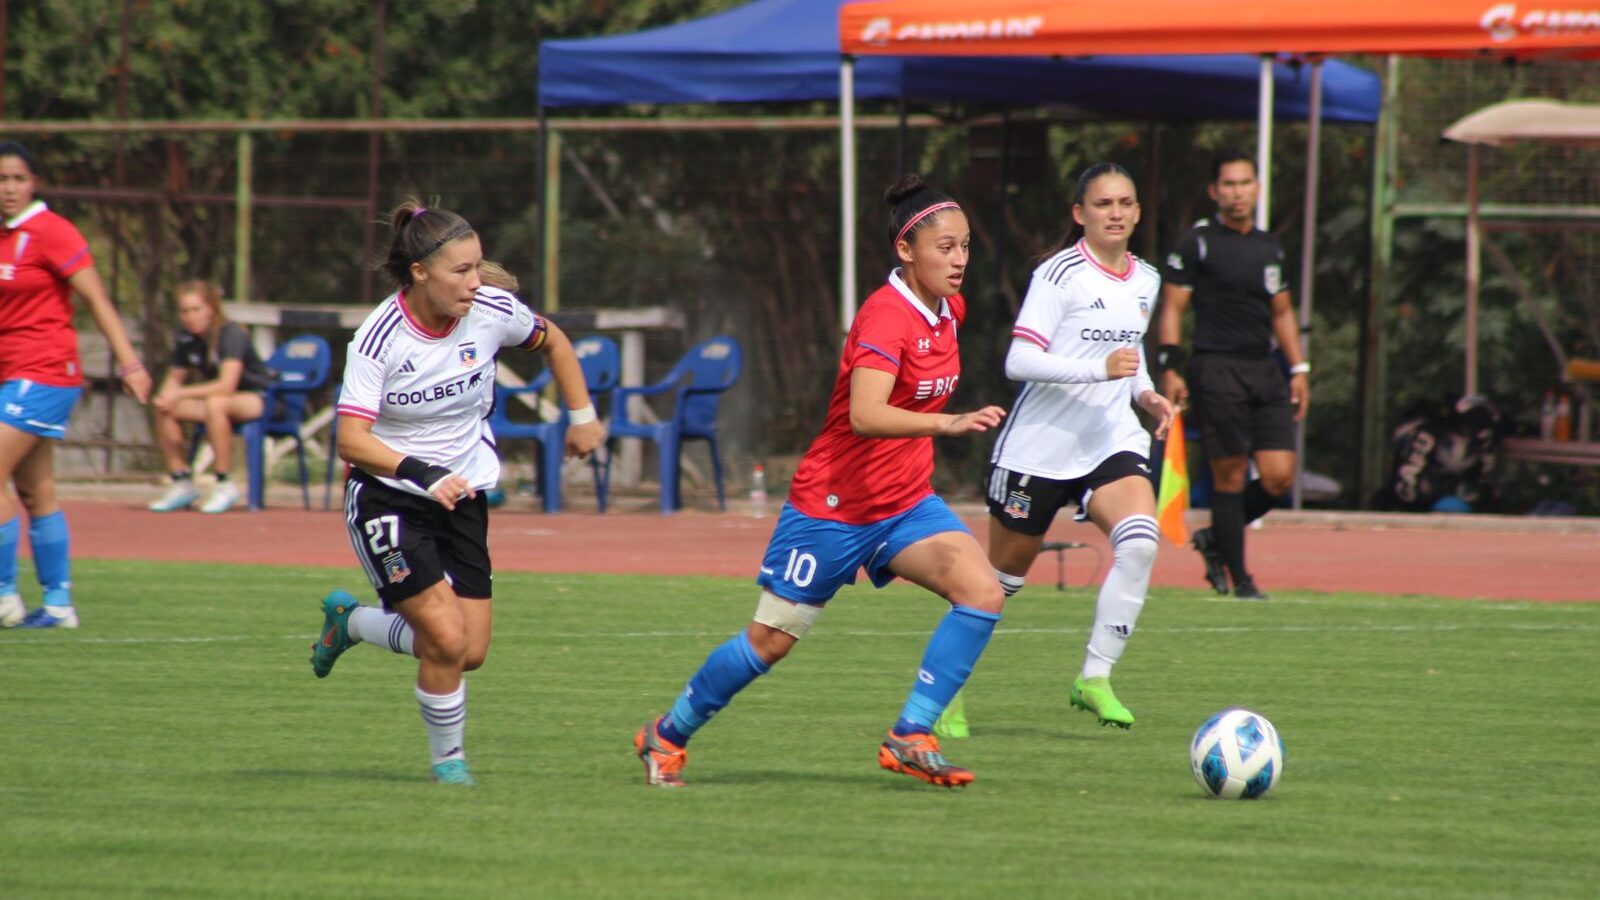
(1241, 404)
(407, 544)
(1027, 504)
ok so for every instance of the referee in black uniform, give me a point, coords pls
(1233, 273)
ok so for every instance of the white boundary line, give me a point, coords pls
(613, 635)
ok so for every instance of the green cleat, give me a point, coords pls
(1094, 695)
(952, 722)
(451, 771)
(335, 639)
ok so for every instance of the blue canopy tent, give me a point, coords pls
(788, 50)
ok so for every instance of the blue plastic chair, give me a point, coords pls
(705, 372)
(602, 369)
(302, 365)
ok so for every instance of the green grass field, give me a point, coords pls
(178, 745)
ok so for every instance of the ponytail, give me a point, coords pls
(419, 232)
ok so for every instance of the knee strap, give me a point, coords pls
(789, 617)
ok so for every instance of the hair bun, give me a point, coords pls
(907, 187)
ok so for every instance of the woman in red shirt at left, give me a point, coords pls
(43, 262)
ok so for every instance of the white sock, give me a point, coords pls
(1134, 541)
(384, 629)
(445, 716)
(1009, 583)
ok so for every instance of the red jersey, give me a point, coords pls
(39, 251)
(857, 480)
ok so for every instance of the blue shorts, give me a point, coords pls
(40, 409)
(808, 559)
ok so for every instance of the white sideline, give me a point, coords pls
(611, 635)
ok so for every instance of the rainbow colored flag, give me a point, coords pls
(1173, 501)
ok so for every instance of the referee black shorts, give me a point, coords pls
(407, 544)
(1241, 404)
(1027, 504)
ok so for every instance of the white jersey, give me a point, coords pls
(1078, 312)
(429, 395)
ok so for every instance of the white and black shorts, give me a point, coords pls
(407, 544)
(1027, 504)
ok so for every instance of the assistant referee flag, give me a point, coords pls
(1174, 499)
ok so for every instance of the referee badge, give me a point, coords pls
(1018, 505)
(1273, 277)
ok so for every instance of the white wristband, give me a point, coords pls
(581, 416)
(1300, 368)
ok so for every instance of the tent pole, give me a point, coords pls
(1264, 144)
(847, 193)
(1474, 269)
(1308, 249)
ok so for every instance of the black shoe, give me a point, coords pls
(1216, 569)
(1247, 590)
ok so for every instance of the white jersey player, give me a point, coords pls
(418, 388)
(1073, 435)
(429, 395)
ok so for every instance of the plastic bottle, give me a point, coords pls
(1564, 417)
(1547, 416)
(758, 493)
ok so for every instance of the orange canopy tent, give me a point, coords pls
(1551, 29)
(1566, 28)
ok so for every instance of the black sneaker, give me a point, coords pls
(1216, 569)
(1247, 590)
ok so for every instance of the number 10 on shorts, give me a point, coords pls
(801, 568)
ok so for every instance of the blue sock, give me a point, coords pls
(10, 533)
(48, 537)
(725, 672)
(952, 652)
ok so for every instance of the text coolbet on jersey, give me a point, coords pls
(429, 395)
(1077, 309)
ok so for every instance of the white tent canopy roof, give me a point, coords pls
(1529, 120)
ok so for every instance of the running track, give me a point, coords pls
(1465, 557)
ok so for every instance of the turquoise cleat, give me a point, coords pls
(451, 771)
(335, 639)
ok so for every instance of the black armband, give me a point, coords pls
(1169, 356)
(423, 475)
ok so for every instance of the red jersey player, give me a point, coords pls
(862, 498)
(43, 261)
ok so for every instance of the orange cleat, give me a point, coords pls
(918, 755)
(663, 761)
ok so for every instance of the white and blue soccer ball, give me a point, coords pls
(1236, 755)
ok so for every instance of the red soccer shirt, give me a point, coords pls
(39, 251)
(848, 478)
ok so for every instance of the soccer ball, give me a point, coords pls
(1236, 755)
(11, 611)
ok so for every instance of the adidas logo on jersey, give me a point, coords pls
(407, 367)
(1098, 304)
